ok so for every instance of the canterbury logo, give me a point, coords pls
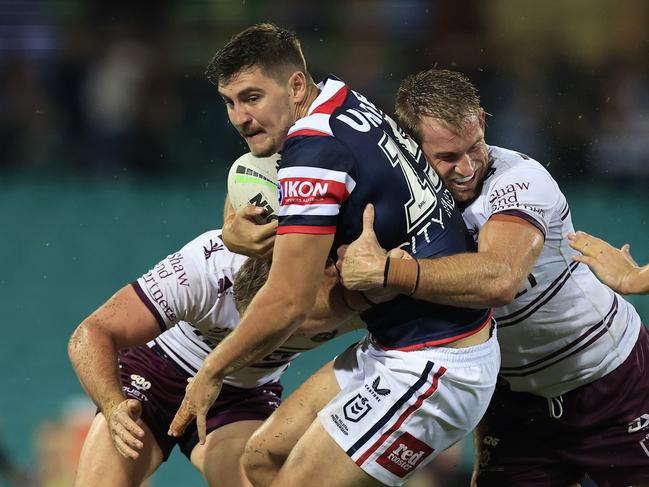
(380, 392)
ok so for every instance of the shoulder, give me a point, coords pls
(209, 252)
(509, 167)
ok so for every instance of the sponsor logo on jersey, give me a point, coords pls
(640, 423)
(403, 456)
(376, 391)
(213, 247)
(304, 191)
(356, 408)
(223, 284)
(175, 268)
(140, 382)
(158, 296)
(340, 424)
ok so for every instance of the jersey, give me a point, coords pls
(564, 328)
(347, 153)
(190, 293)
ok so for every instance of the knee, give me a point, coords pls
(257, 462)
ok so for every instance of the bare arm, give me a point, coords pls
(274, 314)
(507, 251)
(614, 267)
(121, 322)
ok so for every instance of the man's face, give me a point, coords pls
(459, 156)
(260, 109)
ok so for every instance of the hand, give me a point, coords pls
(383, 294)
(614, 267)
(362, 263)
(123, 427)
(243, 234)
(200, 394)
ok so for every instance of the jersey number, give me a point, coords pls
(423, 199)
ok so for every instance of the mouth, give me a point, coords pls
(253, 135)
(464, 183)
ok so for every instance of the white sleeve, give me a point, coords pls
(180, 287)
(526, 192)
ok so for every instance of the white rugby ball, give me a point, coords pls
(254, 180)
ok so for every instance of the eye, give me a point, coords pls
(253, 98)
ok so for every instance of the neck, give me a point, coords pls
(302, 108)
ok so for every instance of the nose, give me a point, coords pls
(239, 116)
(465, 166)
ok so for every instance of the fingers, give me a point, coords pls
(181, 420)
(368, 219)
(134, 410)
(201, 426)
(125, 450)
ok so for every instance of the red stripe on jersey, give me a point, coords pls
(429, 392)
(442, 341)
(308, 191)
(306, 229)
(332, 103)
(308, 132)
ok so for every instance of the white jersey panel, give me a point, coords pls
(193, 289)
(564, 328)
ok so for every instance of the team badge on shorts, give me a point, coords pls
(356, 408)
(404, 454)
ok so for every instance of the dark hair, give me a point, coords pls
(267, 46)
(252, 275)
(447, 96)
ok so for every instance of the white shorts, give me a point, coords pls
(398, 410)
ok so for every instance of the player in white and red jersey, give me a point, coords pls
(423, 376)
(185, 306)
(573, 397)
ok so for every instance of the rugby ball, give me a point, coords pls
(254, 180)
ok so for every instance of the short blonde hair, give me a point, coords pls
(447, 96)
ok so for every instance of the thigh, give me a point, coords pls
(273, 441)
(611, 420)
(318, 456)
(100, 464)
(219, 459)
(517, 444)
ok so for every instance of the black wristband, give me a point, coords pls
(386, 270)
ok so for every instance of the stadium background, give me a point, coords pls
(114, 149)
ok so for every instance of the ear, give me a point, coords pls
(483, 119)
(297, 86)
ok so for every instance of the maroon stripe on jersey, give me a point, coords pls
(553, 289)
(528, 218)
(308, 132)
(145, 299)
(510, 371)
(332, 103)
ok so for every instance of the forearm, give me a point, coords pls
(94, 357)
(267, 324)
(639, 281)
(474, 280)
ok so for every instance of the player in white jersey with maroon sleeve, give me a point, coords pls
(185, 306)
(573, 396)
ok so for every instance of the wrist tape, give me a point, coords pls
(402, 273)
